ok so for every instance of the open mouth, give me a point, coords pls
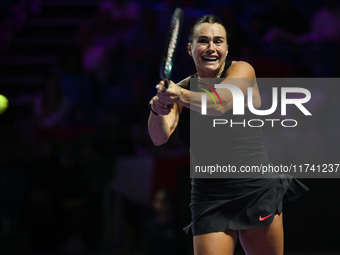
(209, 59)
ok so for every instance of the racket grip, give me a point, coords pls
(166, 83)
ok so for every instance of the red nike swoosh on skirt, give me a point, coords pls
(263, 218)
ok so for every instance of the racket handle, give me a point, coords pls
(166, 83)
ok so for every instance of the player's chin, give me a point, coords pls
(211, 67)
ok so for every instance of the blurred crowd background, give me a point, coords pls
(78, 171)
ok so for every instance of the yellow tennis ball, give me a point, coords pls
(3, 103)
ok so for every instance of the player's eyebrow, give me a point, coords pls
(207, 37)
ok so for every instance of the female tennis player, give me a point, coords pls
(224, 209)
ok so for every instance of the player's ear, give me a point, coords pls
(189, 49)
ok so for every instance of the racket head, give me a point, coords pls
(170, 46)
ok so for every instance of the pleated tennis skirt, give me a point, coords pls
(241, 204)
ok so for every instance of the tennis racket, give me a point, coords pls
(171, 42)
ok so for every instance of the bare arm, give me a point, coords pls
(161, 126)
(192, 99)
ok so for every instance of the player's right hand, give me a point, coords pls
(159, 107)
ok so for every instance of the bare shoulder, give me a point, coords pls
(240, 69)
(184, 83)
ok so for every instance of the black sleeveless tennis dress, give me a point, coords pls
(237, 203)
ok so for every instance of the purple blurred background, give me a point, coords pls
(78, 171)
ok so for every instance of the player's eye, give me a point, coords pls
(203, 41)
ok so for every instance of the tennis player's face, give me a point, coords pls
(209, 49)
